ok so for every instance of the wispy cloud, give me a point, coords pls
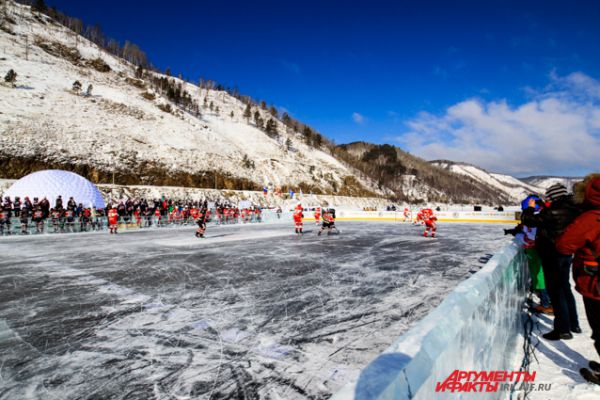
(439, 71)
(557, 131)
(358, 118)
(291, 66)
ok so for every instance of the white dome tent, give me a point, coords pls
(54, 182)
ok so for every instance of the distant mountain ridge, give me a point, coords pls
(413, 178)
(545, 182)
(516, 188)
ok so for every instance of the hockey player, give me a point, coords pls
(298, 216)
(113, 219)
(317, 215)
(406, 214)
(429, 220)
(201, 221)
(328, 222)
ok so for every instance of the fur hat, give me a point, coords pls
(579, 189)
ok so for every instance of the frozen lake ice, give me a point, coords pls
(250, 312)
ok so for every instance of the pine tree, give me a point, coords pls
(258, 121)
(217, 110)
(212, 106)
(139, 72)
(88, 92)
(288, 144)
(307, 132)
(273, 111)
(76, 87)
(318, 140)
(248, 113)
(263, 105)
(39, 6)
(231, 114)
(11, 77)
(205, 103)
(271, 128)
(168, 71)
(286, 119)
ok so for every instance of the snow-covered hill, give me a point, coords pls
(545, 182)
(120, 128)
(513, 187)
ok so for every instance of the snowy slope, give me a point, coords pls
(513, 187)
(545, 182)
(43, 122)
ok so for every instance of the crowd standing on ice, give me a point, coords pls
(25, 216)
(550, 232)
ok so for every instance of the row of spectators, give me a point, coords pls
(559, 232)
(73, 216)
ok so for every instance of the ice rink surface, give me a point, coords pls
(250, 312)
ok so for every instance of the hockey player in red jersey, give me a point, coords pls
(298, 216)
(318, 215)
(430, 222)
(113, 219)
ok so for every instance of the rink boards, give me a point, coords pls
(506, 217)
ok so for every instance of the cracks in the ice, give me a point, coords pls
(410, 394)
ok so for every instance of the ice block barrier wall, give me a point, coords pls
(475, 328)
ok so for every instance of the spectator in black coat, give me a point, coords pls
(551, 222)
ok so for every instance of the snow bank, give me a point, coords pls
(475, 328)
(558, 362)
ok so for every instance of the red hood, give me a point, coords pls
(592, 192)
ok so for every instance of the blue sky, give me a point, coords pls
(383, 71)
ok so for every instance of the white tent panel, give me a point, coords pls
(245, 204)
(53, 182)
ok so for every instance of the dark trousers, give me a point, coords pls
(557, 269)
(592, 310)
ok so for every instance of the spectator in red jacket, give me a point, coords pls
(582, 237)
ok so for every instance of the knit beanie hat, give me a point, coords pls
(556, 191)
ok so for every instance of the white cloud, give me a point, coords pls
(358, 118)
(557, 132)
